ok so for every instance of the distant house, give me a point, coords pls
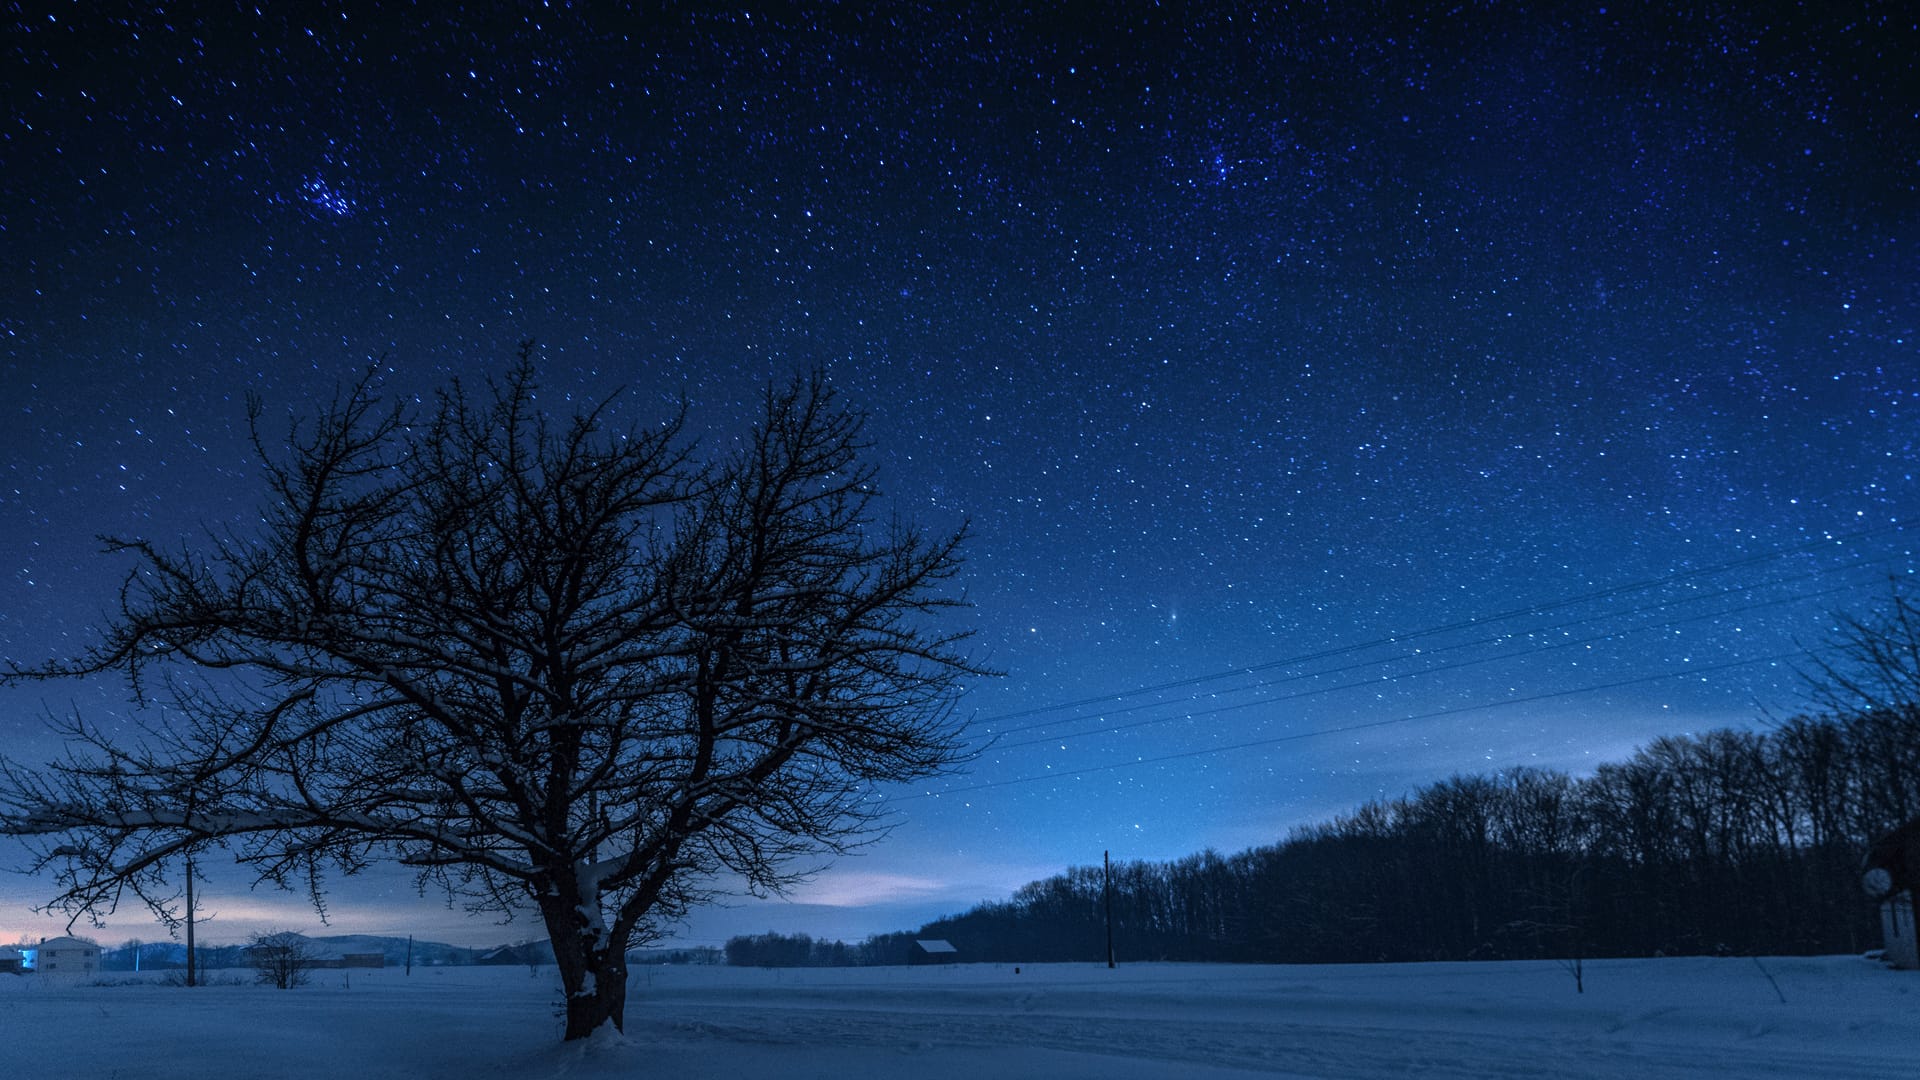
(66, 956)
(12, 961)
(932, 951)
(1892, 876)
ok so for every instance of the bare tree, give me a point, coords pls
(281, 959)
(1872, 663)
(1869, 677)
(546, 664)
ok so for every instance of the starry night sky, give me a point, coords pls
(1405, 364)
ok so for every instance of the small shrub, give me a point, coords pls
(281, 959)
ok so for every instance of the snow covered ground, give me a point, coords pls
(1644, 1019)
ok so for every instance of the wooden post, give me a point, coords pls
(409, 954)
(1106, 857)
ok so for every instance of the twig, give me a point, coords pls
(1770, 979)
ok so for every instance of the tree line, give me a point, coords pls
(773, 949)
(1728, 842)
(794, 950)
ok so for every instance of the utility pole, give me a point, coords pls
(190, 959)
(1106, 857)
(193, 798)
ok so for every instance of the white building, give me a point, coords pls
(66, 956)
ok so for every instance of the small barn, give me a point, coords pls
(12, 961)
(1891, 875)
(932, 951)
(66, 956)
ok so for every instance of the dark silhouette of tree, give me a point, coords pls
(1870, 679)
(1735, 842)
(771, 950)
(548, 664)
(280, 959)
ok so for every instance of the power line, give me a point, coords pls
(1298, 736)
(1896, 525)
(1367, 683)
(1264, 683)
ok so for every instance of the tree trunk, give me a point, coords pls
(593, 971)
(600, 999)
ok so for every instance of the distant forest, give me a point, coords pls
(1731, 842)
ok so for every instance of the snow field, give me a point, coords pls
(1645, 1019)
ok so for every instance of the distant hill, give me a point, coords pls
(157, 955)
(393, 949)
(164, 955)
(533, 953)
(172, 955)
